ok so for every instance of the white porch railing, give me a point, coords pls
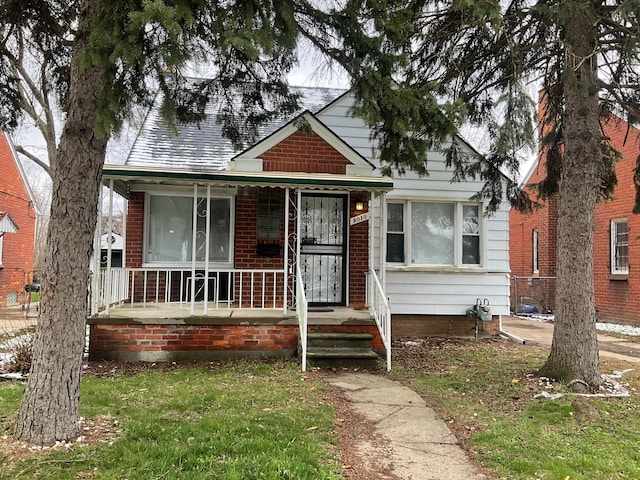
(302, 310)
(380, 310)
(225, 288)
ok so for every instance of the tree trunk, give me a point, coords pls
(49, 407)
(574, 351)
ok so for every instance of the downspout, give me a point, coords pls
(509, 336)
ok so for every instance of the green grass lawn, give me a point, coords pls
(237, 421)
(485, 392)
(248, 420)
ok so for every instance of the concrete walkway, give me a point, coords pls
(540, 334)
(420, 445)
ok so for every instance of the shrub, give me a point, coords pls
(20, 349)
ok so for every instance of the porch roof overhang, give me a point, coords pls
(124, 175)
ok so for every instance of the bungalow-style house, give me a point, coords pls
(533, 241)
(17, 227)
(298, 236)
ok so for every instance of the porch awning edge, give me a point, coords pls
(125, 173)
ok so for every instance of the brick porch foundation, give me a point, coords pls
(155, 342)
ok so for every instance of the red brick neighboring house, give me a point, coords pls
(617, 242)
(17, 226)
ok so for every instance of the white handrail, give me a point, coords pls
(302, 309)
(381, 310)
(257, 289)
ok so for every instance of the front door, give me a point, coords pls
(323, 248)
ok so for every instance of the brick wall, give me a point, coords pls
(154, 342)
(16, 268)
(358, 256)
(448, 325)
(135, 224)
(304, 152)
(617, 299)
(521, 227)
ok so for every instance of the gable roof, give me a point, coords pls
(306, 119)
(7, 225)
(203, 147)
(21, 172)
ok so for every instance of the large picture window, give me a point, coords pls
(170, 229)
(439, 233)
(619, 247)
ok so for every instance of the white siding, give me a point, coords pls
(433, 291)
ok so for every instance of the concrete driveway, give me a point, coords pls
(539, 333)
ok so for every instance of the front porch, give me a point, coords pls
(143, 314)
(168, 332)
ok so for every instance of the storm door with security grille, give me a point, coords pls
(323, 248)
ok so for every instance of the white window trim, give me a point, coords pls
(187, 264)
(613, 244)
(458, 233)
(404, 230)
(1, 246)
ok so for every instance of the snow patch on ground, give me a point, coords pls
(602, 326)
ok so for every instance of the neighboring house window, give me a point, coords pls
(395, 233)
(170, 229)
(268, 225)
(536, 266)
(1, 241)
(440, 233)
(619, 246)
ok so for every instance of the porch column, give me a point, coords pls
(286, 249)
(125, 212)
(108, 279)
(372, 228)
(372, 245)
(194, 235)
(383, 241)
(207, 231)
(95, 279)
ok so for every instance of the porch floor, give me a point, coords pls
(181, 314)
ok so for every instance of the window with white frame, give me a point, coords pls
(395, 233)
(619, 246)
(534, 248)
(170, 229)
(434, 233)
(1, 242)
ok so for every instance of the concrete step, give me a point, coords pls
(337, 349)
(339, 340)
(343, 358)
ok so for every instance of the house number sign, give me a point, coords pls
(359, 218)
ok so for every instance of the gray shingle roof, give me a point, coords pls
(203, 147)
